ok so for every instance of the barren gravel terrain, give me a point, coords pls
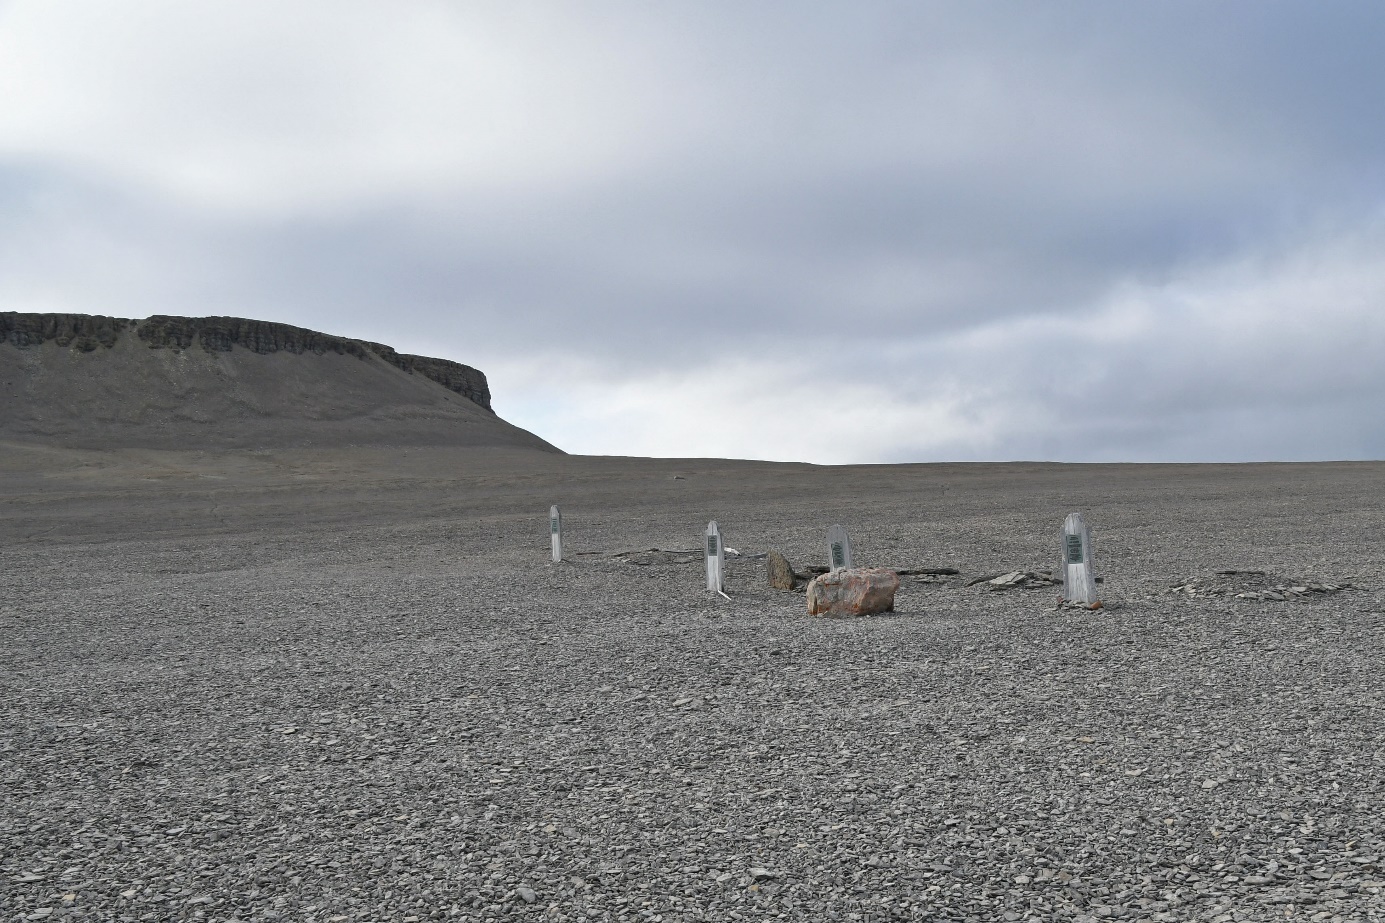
(347, 685)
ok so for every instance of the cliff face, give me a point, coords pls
(88, 333)
(226, 383)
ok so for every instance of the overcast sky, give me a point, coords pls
(851, 232)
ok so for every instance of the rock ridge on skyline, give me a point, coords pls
(88, 332)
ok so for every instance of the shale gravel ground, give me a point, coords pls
(350, 687)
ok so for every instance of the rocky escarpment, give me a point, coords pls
(86, 332)
(221, 334)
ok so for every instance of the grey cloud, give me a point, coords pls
(882, 180)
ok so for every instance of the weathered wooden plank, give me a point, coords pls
(716, 560)
(1078, 566)
(838, 548)
(555, 529)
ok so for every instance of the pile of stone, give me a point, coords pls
(1281, 593)
(1016, 579)
(1255, 585)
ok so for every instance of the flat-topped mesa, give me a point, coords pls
(221, 334)
(229, 383)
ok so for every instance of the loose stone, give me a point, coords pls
(780, 571)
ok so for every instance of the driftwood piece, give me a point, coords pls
(694, 552)
(623, 553)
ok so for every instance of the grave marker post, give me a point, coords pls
(716, 560)
(838, 548)
(555, 530)
(1079, 573)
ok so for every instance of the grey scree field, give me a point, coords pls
(348, 684)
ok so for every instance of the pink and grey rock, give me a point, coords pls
(854, 591)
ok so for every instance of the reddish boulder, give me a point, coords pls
(853, 591)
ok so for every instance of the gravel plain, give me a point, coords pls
(349, 686)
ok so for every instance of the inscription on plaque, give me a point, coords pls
(1074, 543)
(838, 548)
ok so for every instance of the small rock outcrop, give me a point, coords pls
(853, 591)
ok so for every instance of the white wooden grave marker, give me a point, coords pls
(716, 560)
(1079, 574)
(555, 528)
(838, 548)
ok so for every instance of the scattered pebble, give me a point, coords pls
(336, 704)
